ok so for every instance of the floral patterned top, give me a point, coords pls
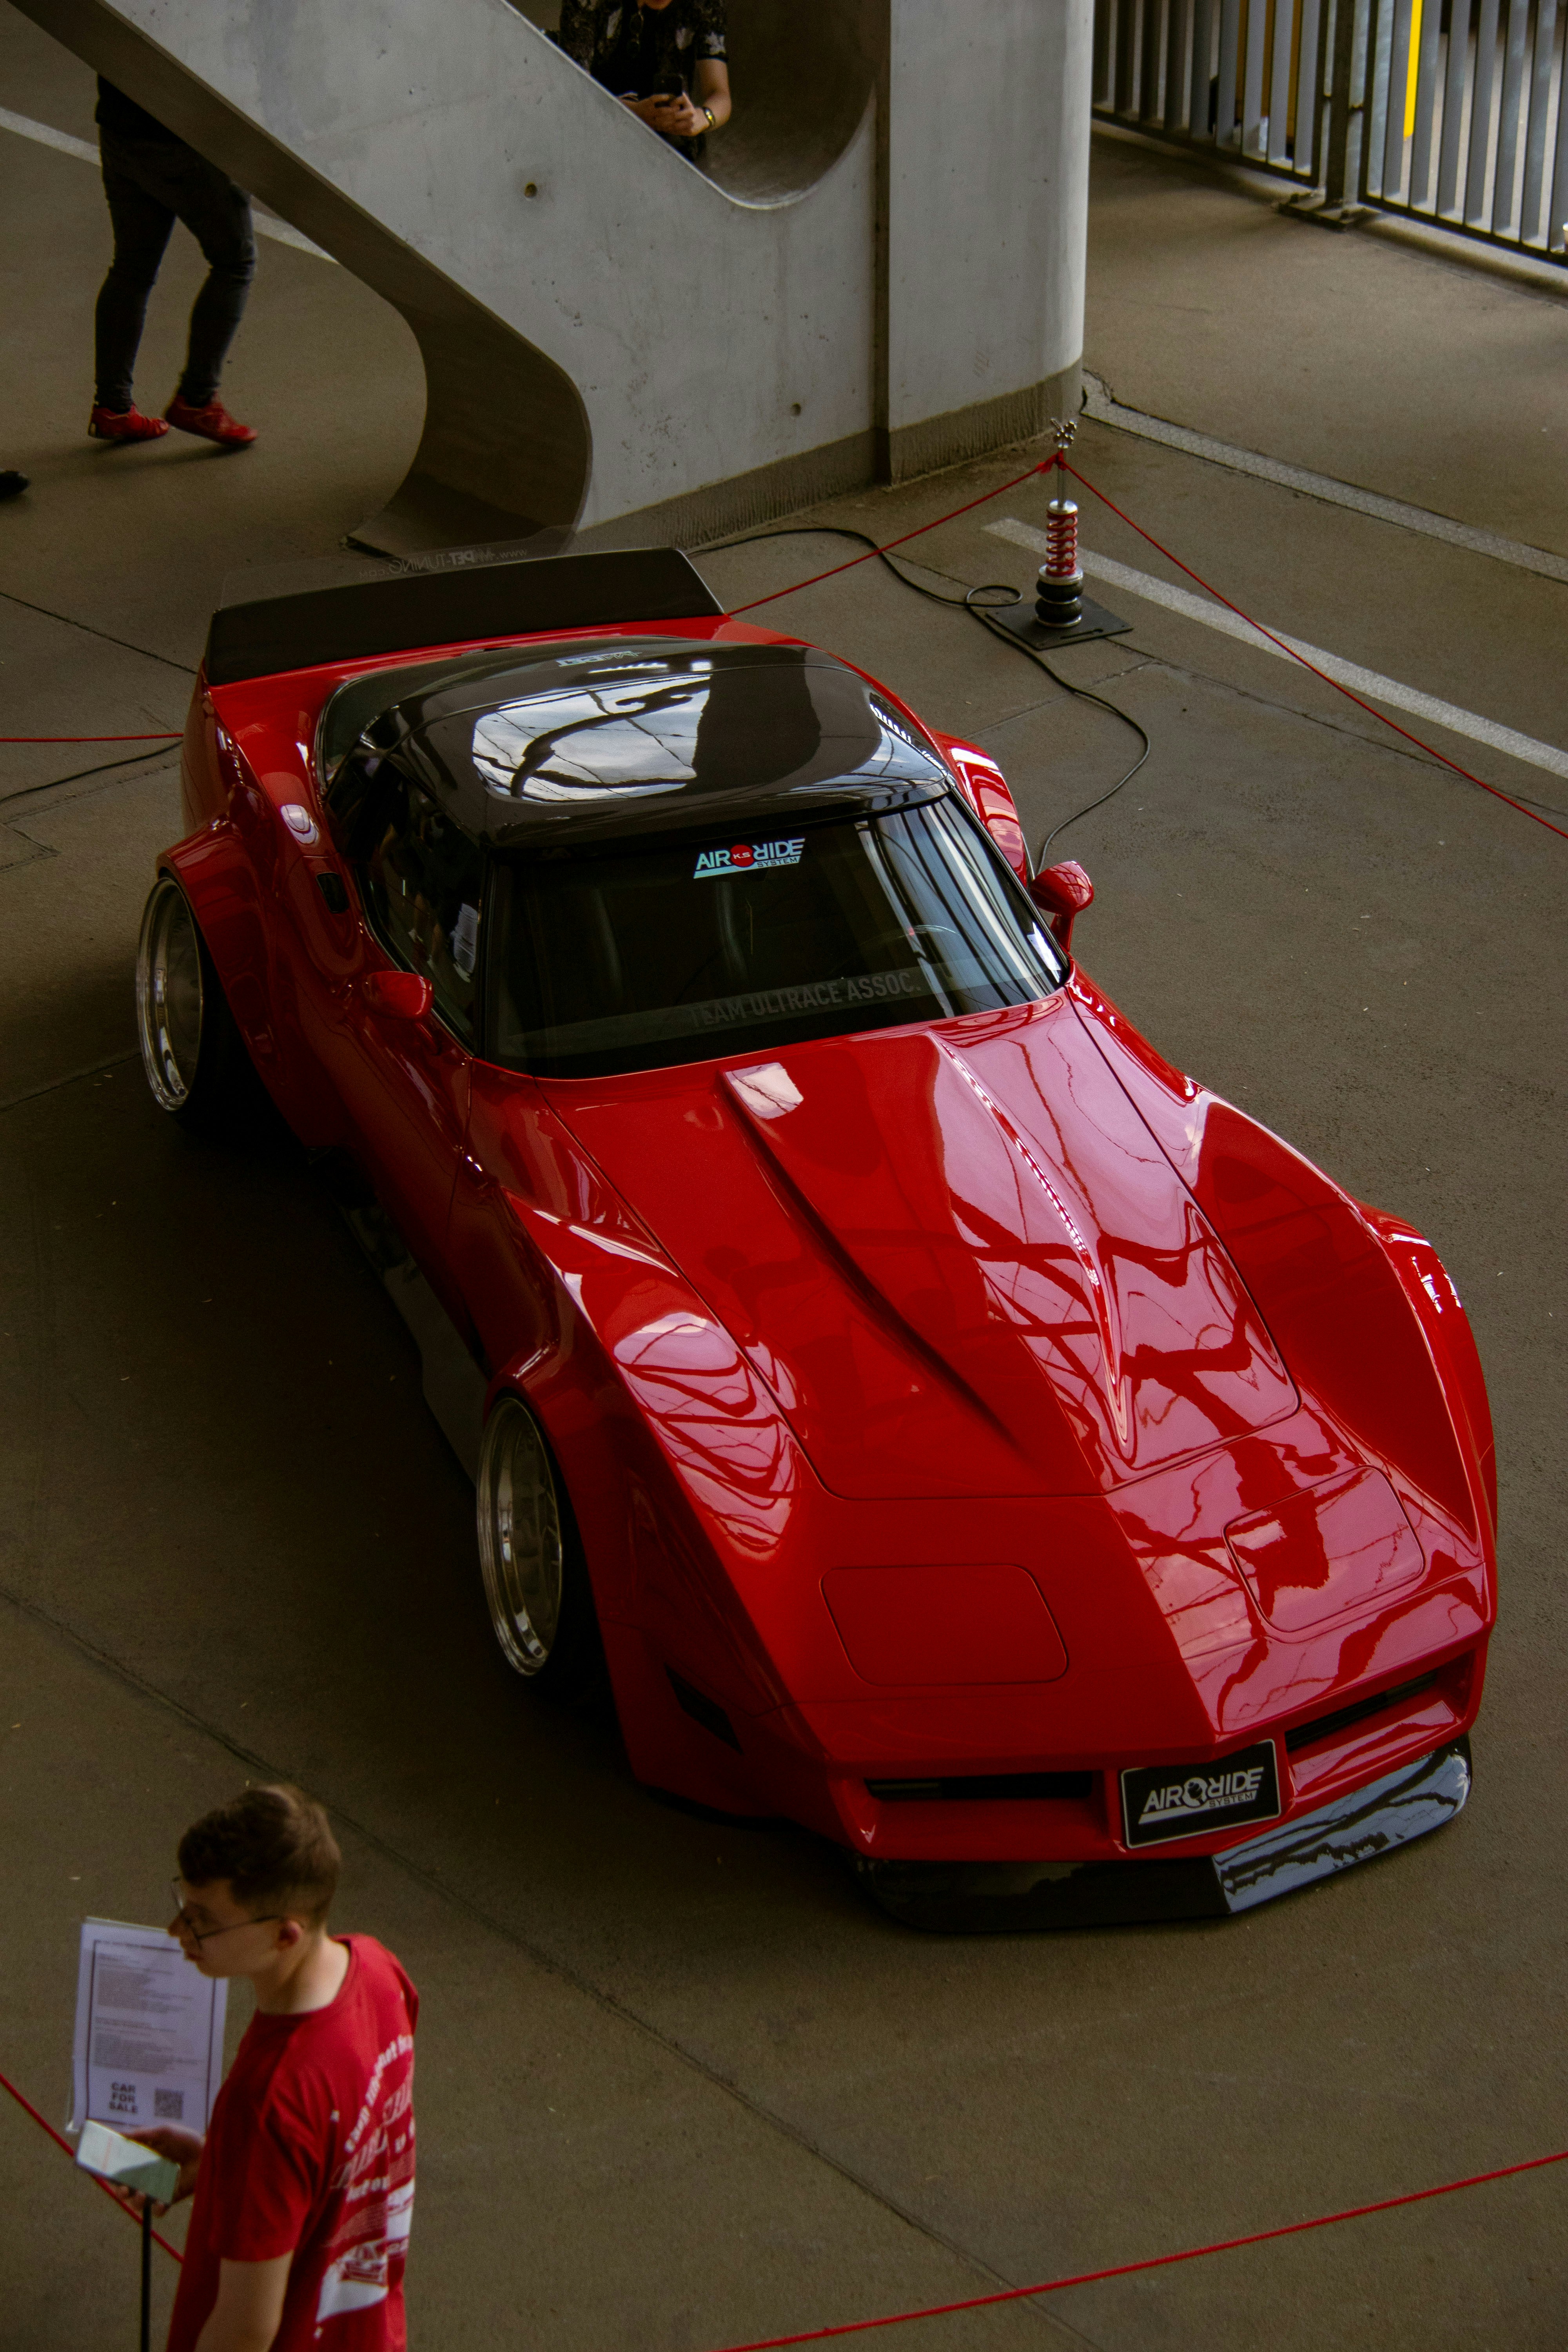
(639, 52)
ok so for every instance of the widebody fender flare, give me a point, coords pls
(1357, 1301)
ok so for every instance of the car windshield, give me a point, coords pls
(638, 959)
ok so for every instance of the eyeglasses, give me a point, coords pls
(205, 1935)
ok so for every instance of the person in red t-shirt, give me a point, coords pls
(304, 2183)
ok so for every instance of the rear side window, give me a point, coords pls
(360, 701)
(644, 957)
(421, 881)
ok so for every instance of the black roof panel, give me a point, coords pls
(641, 736)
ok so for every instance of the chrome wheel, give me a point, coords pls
(521, 1551)
(170, 997)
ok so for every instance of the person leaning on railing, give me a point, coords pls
(666, 60)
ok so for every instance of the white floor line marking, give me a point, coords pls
(1104, 409)
(1359, 681)
(44, 135)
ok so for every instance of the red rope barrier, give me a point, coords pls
(1373, 711)
(1057, 457)
(872, 552)
(1154, 2261)
(1004, 2294)
(28, 2108)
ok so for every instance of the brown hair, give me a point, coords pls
(275, 1848)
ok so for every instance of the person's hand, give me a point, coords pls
(677, 118)
(179, 2147)
(672, 118)
(645, 109)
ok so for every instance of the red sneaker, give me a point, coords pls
(124, 425)
(213, 423)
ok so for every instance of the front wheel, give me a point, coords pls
(193, 1055)
(540, 1603)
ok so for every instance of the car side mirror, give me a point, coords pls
(399, 995)
(1063, 892)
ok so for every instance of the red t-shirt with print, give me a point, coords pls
(310, 2152)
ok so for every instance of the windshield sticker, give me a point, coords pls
(466, 941)
(812, 996)
(747, 857)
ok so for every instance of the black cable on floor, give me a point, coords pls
(966, 603)
(1083, 695)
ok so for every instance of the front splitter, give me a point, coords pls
(1003, 1898)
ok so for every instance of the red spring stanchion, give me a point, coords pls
(1059, 590)
(1061, 540)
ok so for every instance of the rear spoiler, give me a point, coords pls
(453, 606)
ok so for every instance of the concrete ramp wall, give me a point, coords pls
(882, 272)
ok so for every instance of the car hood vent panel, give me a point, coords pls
(956, 1256)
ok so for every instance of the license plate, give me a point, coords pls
(1161, 1802)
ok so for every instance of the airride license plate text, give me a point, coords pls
(1161, 1802)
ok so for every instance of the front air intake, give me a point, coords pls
(970, 1787)
(1324, 1727)
(702, 1709)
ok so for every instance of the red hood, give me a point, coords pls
(957, 1256)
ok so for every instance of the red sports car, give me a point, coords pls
(958, 1432)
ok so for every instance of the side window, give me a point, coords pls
(353, 797)
(422, 883)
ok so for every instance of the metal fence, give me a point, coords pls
(1454, 111)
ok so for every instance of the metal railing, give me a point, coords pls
(1454, 111)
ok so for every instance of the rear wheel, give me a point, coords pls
(194, 1055)
(540, 1603)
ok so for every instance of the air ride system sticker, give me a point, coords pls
(1161, 1802)
(747, 857)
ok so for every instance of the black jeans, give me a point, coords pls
(150, 184)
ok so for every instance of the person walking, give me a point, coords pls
(666, 60)
(150, 180)
(303, 2185)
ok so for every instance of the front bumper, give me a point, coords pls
(1000, 1899)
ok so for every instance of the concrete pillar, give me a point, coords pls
(882, 273)
(983, 141)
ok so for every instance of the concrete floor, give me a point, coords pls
(1433, 381)
(678, 2086)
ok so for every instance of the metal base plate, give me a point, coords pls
(1021, 622)
(1311, 206)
